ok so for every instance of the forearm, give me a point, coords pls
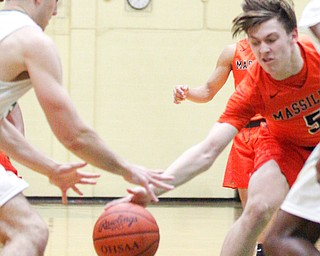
(200, 157)
(216, 81)
(189, 165)
(200, 94)
(79, 138)
(13, 143)
(87, 145)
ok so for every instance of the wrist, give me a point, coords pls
(51, 169)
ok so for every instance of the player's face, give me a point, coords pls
(272, 47)
(48, 8)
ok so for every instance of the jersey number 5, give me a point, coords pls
(313, 121)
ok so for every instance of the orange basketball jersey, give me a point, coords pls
(291, 106)
(243, 58)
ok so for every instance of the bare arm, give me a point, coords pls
(16, 146)
(201, 156)
(43, 65)
(216, 81)
(64, 176)
(189, 164)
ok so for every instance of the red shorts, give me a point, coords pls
(288, 156)
(5, 162)
(252, 148)
(241, 159)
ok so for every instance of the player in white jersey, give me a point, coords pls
(29, 59)
(297, 226)
(310, 17)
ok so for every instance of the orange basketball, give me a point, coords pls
(126, 230)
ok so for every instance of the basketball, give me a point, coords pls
(126, 229)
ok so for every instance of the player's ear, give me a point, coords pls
(294, 35)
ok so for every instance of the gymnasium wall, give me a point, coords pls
(120, 66)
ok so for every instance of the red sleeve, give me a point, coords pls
(243, 104)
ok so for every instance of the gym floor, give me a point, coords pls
(187, 227)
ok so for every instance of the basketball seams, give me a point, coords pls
(156, 243)
(131, 234)
(126, 228)
(148, 218)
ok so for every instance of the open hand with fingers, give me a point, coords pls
(67, 176)
(144, 177)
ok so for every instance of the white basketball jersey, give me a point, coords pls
(10, 92)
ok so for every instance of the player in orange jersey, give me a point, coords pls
(283, 85)
(297, 226)
(235, 58)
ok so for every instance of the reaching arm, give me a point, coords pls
(216, 81)
(43, 65)
(200, 157)
(190, 164)
(64, 176)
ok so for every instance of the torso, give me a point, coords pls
(292, 112)
(13, 89)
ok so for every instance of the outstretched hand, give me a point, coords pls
(136, 195)
(143, 177)
(68, 176)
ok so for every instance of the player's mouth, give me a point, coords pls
(267, 60)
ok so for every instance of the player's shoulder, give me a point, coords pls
(33, 35)
(227, 54)
(32, 39)
(229, 50)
